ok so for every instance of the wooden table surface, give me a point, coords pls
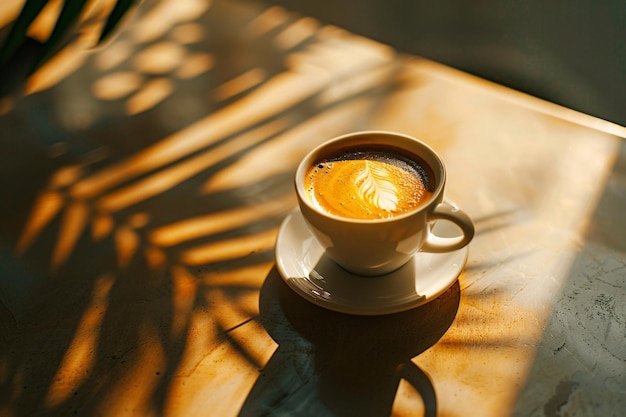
(143, 185)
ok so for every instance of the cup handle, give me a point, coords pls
(438, 244)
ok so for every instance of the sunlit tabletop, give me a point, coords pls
(143, 185)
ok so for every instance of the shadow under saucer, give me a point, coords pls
(331, 363)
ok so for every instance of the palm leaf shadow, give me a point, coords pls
(138, 280)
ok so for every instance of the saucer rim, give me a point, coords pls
(402, 305)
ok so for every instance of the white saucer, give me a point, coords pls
(305, 267)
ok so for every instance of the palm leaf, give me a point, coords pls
(17, 35)
(114, 18)
(67, 19)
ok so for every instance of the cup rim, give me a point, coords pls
(313, 153)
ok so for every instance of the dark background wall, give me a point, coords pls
(571, 53)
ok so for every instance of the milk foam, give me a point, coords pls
(368, 184)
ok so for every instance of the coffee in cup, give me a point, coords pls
(370, 198)
(374, 182)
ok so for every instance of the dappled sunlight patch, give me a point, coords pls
(58, 67)
(159, 58)
(267, 20)
(127, 239)
(488, 333)
(134, 387)
(240, 84)
(229, 311)
(161, 18)
(239, 356)
(195, 65)
(155, 258)
(126, 243)
(188, 33)
(73, 223)
(184, 290)
(46, 207)
(272, 97)
(139, 220)
(65, 176)
(168, 178)
(226, 249)
(113, 55)
(380, 76)
(6, 105)
(224, 331)
(151, 94)
(116, 85)
(102, 225)
(408, 401)
(203, 133)
(251, 276)
(297, 32)
(281, 154)
(80, 356)
(210, 224)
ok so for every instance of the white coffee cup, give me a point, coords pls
(380, 246)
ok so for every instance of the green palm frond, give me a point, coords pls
(118, 12)
(66, 21)
(17, 36)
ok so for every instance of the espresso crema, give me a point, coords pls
(369, 183)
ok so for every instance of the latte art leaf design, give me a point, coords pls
(375, 187)
(366, 185)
